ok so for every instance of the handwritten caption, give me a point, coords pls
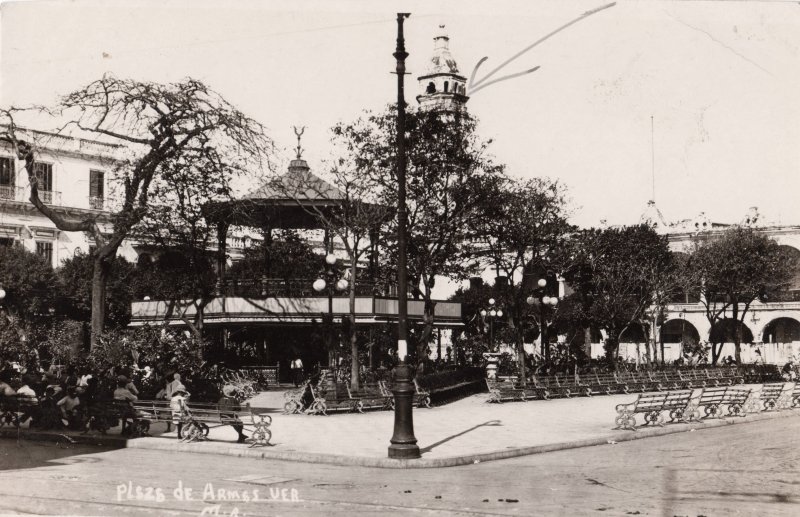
(209, 494)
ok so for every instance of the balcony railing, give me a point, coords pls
(8, 192)
(96, 203)
(278, 287)
(50, 197)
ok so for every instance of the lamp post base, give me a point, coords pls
(404, 443)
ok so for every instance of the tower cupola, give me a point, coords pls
(442, 86)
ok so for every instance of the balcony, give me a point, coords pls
(96, 203)
(9, 193)
(50, 197)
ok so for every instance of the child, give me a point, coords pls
(178, 406)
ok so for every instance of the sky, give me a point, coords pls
(720, 80)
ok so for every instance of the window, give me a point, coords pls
(6, 178)
(6, 172)
(96, 189)
(7, 242)
(45, 249)
(44, 174)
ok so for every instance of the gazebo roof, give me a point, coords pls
(289, 201)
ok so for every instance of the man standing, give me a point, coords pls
(297, 370)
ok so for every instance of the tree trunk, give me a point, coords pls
(715, 353)
(354, 365)
(102, 268)
(427, 328)
(521, 353)
(737, 339)
(612, 345)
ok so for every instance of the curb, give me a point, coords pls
(452, 461)
(165, 444)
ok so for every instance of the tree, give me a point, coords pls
(523, 233)
(449, 176)
(733, 270)
(27, 280)
(168, 134)
(287, 256)
(74, 289)
(616, 271)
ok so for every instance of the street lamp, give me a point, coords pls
(403, 442)
(543, 301)
(320, 284)
(490, 314)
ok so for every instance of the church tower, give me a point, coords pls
(442, 86)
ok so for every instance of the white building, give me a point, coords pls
(772, 328)
(74, 176)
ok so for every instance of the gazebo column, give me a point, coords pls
(222, 255)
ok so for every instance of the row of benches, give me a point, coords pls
(327, 396)
(543, 388)
(197, 418)
(685, 405)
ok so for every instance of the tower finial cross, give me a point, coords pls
(299, 133)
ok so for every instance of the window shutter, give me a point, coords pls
(96, 187)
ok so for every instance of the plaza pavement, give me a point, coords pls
(467, 431)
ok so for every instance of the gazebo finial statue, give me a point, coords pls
(299, 134)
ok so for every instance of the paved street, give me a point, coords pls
(749, 469)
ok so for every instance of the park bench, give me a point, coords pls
(775, 395)
(796, 395)
(634, 381)
(713, 399)
(295, 399)
(370, 397)
(16, 409)
(504, 391)
(552, 386)
(199, 418)
(330, 397)
(679, 403)
(670, 380)
(603, 383)
(694, 378)
(422, 397)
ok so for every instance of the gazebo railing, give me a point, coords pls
(280, 287)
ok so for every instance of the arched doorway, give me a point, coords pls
(679, 331)
(724, 331)
(782, 330)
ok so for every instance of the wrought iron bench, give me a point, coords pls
(294, 399)
(680, 404)
(370, 397)
(714, 399)
(422, 397)
(635, 381)
(504, 391)
(199, 418)
(603, 383)
(17, 409)
(329, 397)
(669, 380)
(776, 396)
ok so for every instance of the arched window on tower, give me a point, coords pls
(446, 86)
(431, 88)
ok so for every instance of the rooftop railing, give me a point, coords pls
(279, 287)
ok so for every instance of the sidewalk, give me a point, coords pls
(464, 432)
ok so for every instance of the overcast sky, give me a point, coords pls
(720, 78)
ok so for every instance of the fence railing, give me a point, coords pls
(293, 287)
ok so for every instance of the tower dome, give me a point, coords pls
(442, 86)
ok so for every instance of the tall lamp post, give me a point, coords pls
(330, 281)
(403, 442)
(489, 315)
(545, 303)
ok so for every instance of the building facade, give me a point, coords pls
(74, 177)
(771, 330)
